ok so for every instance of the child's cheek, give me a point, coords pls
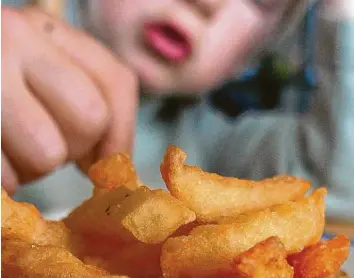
(109, 11)
(117, 14)
(231, 41)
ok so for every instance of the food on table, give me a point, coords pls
(205, 225)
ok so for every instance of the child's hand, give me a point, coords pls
(64, 97)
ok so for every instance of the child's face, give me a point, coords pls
(184, 45)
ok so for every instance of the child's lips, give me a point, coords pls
(167, 40)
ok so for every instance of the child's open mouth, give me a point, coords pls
(167, 41)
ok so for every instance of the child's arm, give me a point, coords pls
(318, 146)
(64, 97)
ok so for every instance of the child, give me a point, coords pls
(67, 98)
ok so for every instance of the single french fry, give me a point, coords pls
(18, 220)
(23, 259)
(211, 196)
(23, 221)
(322, 259)
(265, 259)
(112, 172)
(145, 215)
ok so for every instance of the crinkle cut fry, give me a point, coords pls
(211, 196)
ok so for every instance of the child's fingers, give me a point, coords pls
(69, 95)
(29, 136)
(118, 85)
(9, 178)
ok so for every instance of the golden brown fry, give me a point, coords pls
(22, 259)
(18, 220)
(138, 260)
(145, 215)
(322, 259)
(211, 196)
(135, 259)
(94, 215)
(128, 229)
(112, 172)
(23, 221)
(265, 259)
(212, 247)
(95, 246)
(55, 233)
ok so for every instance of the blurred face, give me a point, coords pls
(184, 45)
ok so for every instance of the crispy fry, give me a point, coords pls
(22, 259)
(322, 259)
(55, 233)
(94, 215)
(23, 221)
(242, 229)
(265, 259)
(18, 220)
(212, 247)
(145, 215)
(211, 196)
(136, 260)
(96, 246)
(112, 172)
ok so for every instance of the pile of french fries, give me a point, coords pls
(205, 225)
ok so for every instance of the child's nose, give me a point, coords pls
(206, 7)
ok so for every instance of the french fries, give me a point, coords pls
(206, 226)
(22, 221)
(114, 171)
(265, 259)
(22, 259)
(211, 196)
(18, 220)
(145, 215)
(134, 260)
(209, 248)
(322, 259)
